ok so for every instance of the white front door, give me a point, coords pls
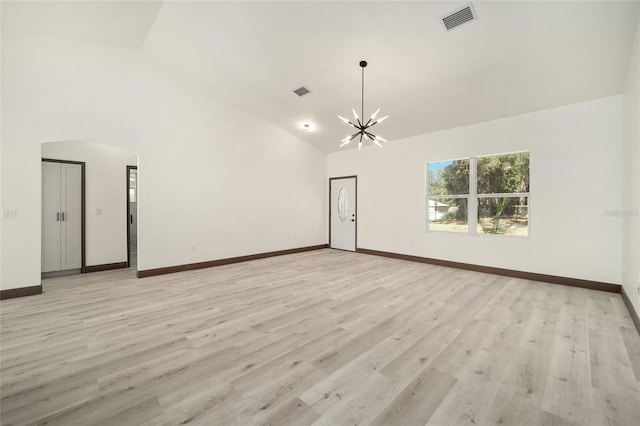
(343, 213)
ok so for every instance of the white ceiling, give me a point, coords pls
(120, 23)
(517, 57)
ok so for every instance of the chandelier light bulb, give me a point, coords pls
(373, 116)
(382, 119)
(355, 114)
(343, 119)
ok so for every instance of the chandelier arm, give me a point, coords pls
(353, 136)
(371, 136)
(367, 125)
(353, 125)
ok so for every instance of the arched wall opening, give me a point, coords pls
(106, 199)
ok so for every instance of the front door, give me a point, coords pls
(342, 221)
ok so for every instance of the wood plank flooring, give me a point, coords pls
(324, 338)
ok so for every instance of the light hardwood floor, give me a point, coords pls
(325, 338)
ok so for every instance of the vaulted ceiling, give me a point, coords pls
(517, 57)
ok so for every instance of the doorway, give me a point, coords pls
(132, 216)
(63, 214)
(343, 218)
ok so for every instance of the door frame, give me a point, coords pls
(355, 206)
(129, 168)
(83, 267)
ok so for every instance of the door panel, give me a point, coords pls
(132, 216)
(343, 213)
(71, 200)
(50, 217)
(133, 210)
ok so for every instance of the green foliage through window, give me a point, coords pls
(449, 177)
(502, 174)
(496, 187)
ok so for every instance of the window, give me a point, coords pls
(132, 187)
(448, 203)
(483, 195)
(503, 194)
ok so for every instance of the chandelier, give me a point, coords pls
(362, 126)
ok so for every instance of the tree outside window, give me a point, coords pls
(495, 188)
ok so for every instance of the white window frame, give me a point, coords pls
(472, 198)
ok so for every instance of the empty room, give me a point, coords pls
(320, 213)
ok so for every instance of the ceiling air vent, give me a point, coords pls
(459, 17)
(301, 91)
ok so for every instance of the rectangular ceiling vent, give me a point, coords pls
(459, 17)
(301, 91)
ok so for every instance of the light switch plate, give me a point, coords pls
(10, 214)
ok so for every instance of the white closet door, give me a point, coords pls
(51, 217)
(71, 208)
(61, 216)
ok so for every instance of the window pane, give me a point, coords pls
(133, 177)
(448, 214)
(505, 216)
(449, 177)
(343, 204)
(501, 174)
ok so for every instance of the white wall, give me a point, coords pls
(631, 212)
(105, 190)
(215, 181)
(576, 154)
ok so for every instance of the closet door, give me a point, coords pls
(61, 216)
(71, 215)
(51, 217)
